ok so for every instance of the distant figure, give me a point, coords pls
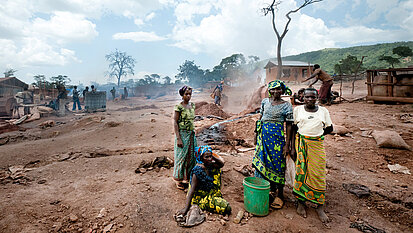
(325, 89)
(93, 88)
(27, 98)
(298, 98)
(76, 99)
(113, 92)
(125, 92)
(218, 93)
(84, 93)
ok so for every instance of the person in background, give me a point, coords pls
(272, 147)
(125, 92)
(205, 183)
(311, 123)
(93, 88)
(327, 83)
(218, 93)
(86, 90)
(185, 140)
(298, 98)
(113, 92)
(26, 97)
(76, 99)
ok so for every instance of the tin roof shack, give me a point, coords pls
(9, 87)
(390, 85)
(292, 70)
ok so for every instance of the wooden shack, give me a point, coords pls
(390, 85)
(294, 71)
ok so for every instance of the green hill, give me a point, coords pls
(327, 58)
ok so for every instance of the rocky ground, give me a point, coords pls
(79, 174)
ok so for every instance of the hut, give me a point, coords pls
(293, 71)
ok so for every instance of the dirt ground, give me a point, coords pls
(79, 175)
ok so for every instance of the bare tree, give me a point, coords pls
(120, 64)
(271, 10)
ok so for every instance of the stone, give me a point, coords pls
(107, 228)
(73, 217)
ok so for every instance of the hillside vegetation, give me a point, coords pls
(327, 58)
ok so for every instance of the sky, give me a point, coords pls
(72, 37)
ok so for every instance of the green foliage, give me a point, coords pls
(389, 59)
(403, 51)
(347, 65)
(327, 58)
(60, 80)
(41, 82)
(9, 73)
(190, 72)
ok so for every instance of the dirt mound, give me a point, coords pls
(211, 109)
(200, 104)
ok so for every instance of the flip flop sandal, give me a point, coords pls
(180, 186)
(278, 203)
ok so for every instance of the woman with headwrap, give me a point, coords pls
(272, 146)
(205, 185)
(185, 140)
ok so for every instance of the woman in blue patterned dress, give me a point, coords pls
(272, 145)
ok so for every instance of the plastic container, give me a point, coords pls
(256, 195)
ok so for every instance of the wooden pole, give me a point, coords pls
(355, 74)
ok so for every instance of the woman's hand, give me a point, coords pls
(179, 142)
(286, 150)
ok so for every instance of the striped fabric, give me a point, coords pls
(310, 178)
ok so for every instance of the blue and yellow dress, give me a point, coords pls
(268, 160)
(208, 194)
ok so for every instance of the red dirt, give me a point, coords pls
(73, 170)
(211, 109)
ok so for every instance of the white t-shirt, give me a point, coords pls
(311, 123)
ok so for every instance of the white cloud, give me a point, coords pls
(138, 22)
(150, 16)
(138, 36)
(65, 27)
(238, 26)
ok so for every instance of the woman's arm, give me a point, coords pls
(294, 130)
(176, 129)
(287, 148)
(190, 195)
(218, 161)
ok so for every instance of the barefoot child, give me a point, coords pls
(205, 185)
(312, 122)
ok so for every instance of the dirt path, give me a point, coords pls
(79, 176)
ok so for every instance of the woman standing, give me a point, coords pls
(185, 140)
(272, 146)
(312, 122)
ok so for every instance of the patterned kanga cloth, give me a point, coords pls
(268, 158)
(184, 159)
(310, 177)
(208, 195)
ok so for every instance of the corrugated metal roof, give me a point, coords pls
(273, 62)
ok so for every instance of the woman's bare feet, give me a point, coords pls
(323, 216)
(301, 210)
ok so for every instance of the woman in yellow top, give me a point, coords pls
(185, 140)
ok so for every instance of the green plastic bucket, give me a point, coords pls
(256, 195)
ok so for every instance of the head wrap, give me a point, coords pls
(201, 150)
(279, 83)
(183, 89)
